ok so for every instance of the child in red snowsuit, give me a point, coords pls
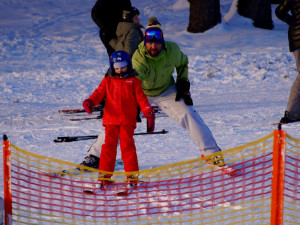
(123, 93)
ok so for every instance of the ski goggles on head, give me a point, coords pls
(153, 36)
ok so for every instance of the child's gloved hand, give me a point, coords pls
(150, 122)
(87, 105)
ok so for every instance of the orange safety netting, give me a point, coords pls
(188, 192)
(292, 182)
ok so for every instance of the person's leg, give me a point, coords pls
(292, 113)
(188, 118)
(95, 148)
(129, 156)
(92, 160)
(128, 149)
(109, 148)
(297, 58)
(293, 106)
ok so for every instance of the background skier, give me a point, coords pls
(292, 113)
(107, 14)
(129, 33)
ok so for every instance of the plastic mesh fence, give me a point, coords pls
(292, 181)
(188, 192)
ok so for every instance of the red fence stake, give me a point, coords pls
(7, 181)
(278, 177)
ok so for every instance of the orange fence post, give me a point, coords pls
(7, 181)
(278, 177)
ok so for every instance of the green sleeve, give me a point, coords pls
(181, 64)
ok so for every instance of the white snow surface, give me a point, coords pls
(51, 58)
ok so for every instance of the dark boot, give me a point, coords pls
(91, 161)
(132, 181)
(288, 119)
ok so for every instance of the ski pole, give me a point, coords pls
(80, 138)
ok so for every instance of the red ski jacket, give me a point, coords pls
(122, 96)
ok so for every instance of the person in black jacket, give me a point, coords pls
(107, 14)
(292, 114)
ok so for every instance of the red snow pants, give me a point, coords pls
(109, 149)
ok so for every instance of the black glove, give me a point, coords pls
(187, 98)
(183, 91)
(138, 118)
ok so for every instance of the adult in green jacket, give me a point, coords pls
(156, 72)
(155, 61)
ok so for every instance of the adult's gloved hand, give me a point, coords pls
(187, 98)
(150, 122)
(183, 91)
(87, 105)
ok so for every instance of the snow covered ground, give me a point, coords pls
(51, 58)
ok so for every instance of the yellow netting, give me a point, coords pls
(292, 181)
(188, 192)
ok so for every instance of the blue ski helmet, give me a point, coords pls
(120, 57)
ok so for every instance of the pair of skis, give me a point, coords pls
(127, 190)
(100, 109)
(98, 189)
(78, 170)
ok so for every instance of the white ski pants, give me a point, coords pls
(182, 114)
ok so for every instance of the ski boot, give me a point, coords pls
(91, 161)
(219, 163)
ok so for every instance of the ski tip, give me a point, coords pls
(52, 175)
(126, 192)
(233, 172)
(279, 125)
(89, 192)
(276, 124)
(164, 131)
(122, 193)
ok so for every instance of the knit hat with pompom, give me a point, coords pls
(153, 32)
